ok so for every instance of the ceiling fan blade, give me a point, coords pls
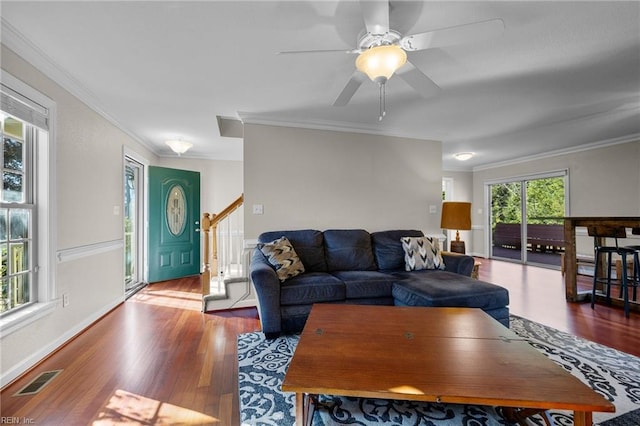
(418, 80)
(357, 78)
(376, 16)
(291, 52)
(466, 33)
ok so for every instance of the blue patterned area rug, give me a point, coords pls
(263, 363)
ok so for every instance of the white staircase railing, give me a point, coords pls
(223, 257)
(231, 265)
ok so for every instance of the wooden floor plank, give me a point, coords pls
(158, 352)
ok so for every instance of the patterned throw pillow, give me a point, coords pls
(283, 257)
(421, 253)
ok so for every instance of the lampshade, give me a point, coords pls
(380, 62)
(179, 146)
(456, 215)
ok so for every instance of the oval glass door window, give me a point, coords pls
(176, 210)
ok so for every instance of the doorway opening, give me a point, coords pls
(133, 226)
(527, 217)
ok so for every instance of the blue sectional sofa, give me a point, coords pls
(358, 267)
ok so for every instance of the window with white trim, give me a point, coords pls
(17, 209)
(26, 283)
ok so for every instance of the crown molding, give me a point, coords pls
(634, 137)
(31, 53)
(333, 126)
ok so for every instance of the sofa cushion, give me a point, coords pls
(283, 257)
(349, 250)
(442, 288)
(421, 253)
(312, 287)
(387, 248)
(366, 284)
(308, 244)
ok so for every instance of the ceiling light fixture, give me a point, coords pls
(179, 146)
(379, 63)
(463, 156)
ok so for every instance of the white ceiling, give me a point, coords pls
(563, 74)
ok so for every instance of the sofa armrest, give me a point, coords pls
(267, 286)
(458, 263)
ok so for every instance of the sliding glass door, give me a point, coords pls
(506, 220)
(527, 218)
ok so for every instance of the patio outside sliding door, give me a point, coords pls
(527, 210)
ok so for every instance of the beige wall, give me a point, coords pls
(89, 182)
(326, 179)
(88, 187)
(602, 182)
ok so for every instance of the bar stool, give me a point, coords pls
(635, 279)
(598, 232)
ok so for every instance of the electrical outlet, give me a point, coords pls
(65, 300)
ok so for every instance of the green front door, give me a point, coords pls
(174, 223)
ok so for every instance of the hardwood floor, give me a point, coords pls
(157, 360)
(538, 294)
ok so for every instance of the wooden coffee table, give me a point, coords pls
(447, 355)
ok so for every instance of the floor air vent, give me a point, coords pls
(38, 383)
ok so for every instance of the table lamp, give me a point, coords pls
(456, 215)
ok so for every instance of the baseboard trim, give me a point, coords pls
(35, 359)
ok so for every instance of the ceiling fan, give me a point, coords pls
(382, 51)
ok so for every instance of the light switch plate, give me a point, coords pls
(258, 209)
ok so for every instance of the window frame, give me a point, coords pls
(131, 157)
(44, 220)
(28, 138)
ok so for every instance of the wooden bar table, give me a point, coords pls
(571, 266)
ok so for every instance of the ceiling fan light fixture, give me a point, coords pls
(179, 146)
(463, 156)
(380, 62)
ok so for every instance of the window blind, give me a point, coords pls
(23, 108)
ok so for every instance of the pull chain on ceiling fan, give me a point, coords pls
(382, 51)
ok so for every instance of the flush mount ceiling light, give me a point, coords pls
(463, 156)
(179, 146)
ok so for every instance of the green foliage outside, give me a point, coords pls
(128, 250)
(545, 202)
(505, 203)
(19, 285)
